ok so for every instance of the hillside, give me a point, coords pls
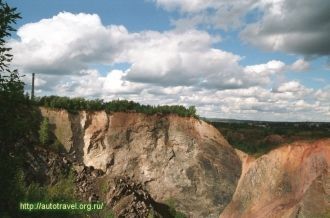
(166, 165)
(291, 181)
(188, 162)
(182, 160)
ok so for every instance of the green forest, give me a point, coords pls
(257, 138)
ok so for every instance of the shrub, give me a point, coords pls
(34, 192)
(174, 213)
(44, 132)
(56, 146)
(63, 190)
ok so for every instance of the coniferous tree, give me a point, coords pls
(11, 87)
(13, 125)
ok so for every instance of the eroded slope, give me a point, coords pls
(291, 181)
(180, 159)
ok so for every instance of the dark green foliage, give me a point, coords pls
(63, 190)
(18, 132)
(34, 193)
(15, 121)
(44, 132)
(8, 16)
(56, 146)
(173, 212)
(76, 104)
(11, 184)
(12, 97)
(259, 137)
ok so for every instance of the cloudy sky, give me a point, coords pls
(241, 59)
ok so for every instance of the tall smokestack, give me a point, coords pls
(32, 92)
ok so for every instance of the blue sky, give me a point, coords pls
(135, 15)
(253, 59)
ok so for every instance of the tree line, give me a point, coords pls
(76, 104)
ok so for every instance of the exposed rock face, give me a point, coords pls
(44, 166)
(85, 179)
(291, 181)
(63, 132)
(179, 159)
(188, 162)
(126, 192)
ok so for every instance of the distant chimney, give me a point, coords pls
(32, 92)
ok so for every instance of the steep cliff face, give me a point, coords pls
(180, 159)
(188, 162)
(60, 125)
(291, 181)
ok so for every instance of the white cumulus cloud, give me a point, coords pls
(68, 43)
(300, 65)
(179, 66)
